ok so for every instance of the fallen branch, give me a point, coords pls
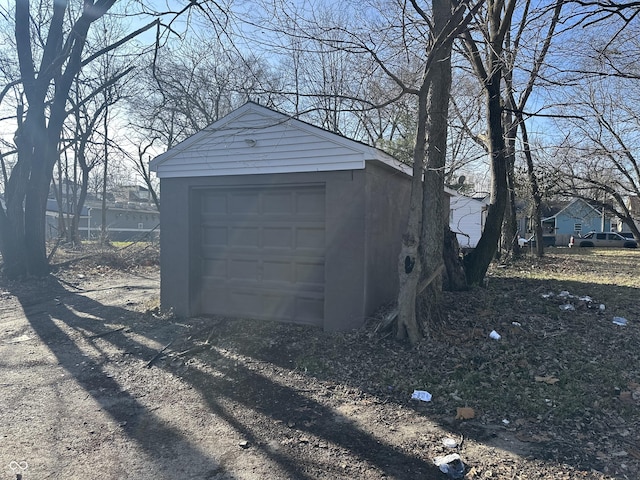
(422, 286)
(210, 335)
(192, 350)
(97, 335)
(157, 355)
(391, 317)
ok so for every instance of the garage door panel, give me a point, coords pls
(243, 269)
(277, 203)
(245, 302)
(215, 235)
(213, 203)
(216, 299)
(309, 310)
(249, 301)
(277, 305)
(307, 272)
(244, 203)
(244, 237)
(278, 271)
(310, 237)
(214, 268)
(277, 237)
(310, 202)
(262, 251)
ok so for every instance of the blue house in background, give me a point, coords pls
(577, 218)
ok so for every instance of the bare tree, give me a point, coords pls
(516, 104)
(60, 56)
(490, 71)
(189, 87)
(599, 163)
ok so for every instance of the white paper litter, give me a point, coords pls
(446, 459)
(421, 395)
(620, 321)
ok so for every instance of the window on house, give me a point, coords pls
(140, 226)
(577, 227)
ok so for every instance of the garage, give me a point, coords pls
(262, 252)
(264, 216)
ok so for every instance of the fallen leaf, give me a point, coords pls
(626, 397)
(548, 379)
(472, 473)
(465, 413)
(634, 453)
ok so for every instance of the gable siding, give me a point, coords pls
(280, 146)
(578, 212)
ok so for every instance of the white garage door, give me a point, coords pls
(262, 252)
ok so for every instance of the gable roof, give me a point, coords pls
(460, 198)
(255, 139)
(571, 205)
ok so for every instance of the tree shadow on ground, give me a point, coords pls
(55, 304)
(58, 318)
(574, 418)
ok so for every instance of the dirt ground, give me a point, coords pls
(97, 383)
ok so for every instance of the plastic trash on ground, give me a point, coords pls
(620, 321)
(451, 465)
(567, 307)
(495, 335)
(450, 442)
(421, 395)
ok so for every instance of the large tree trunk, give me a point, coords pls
(477, 262)
(434, 217)
(35, 207)
(14, 250)
(409, 262)
(46, 89)
(499, 21)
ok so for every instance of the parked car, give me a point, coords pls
(603, 239)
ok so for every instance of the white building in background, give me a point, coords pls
(466, 218)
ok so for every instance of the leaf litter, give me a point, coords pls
(567, 381)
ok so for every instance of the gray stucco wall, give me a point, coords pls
(345, 257)
(387, 194)
(175, 247)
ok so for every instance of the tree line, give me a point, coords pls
(523, 100)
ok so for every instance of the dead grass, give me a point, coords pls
(118, 256)
(587, 265)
